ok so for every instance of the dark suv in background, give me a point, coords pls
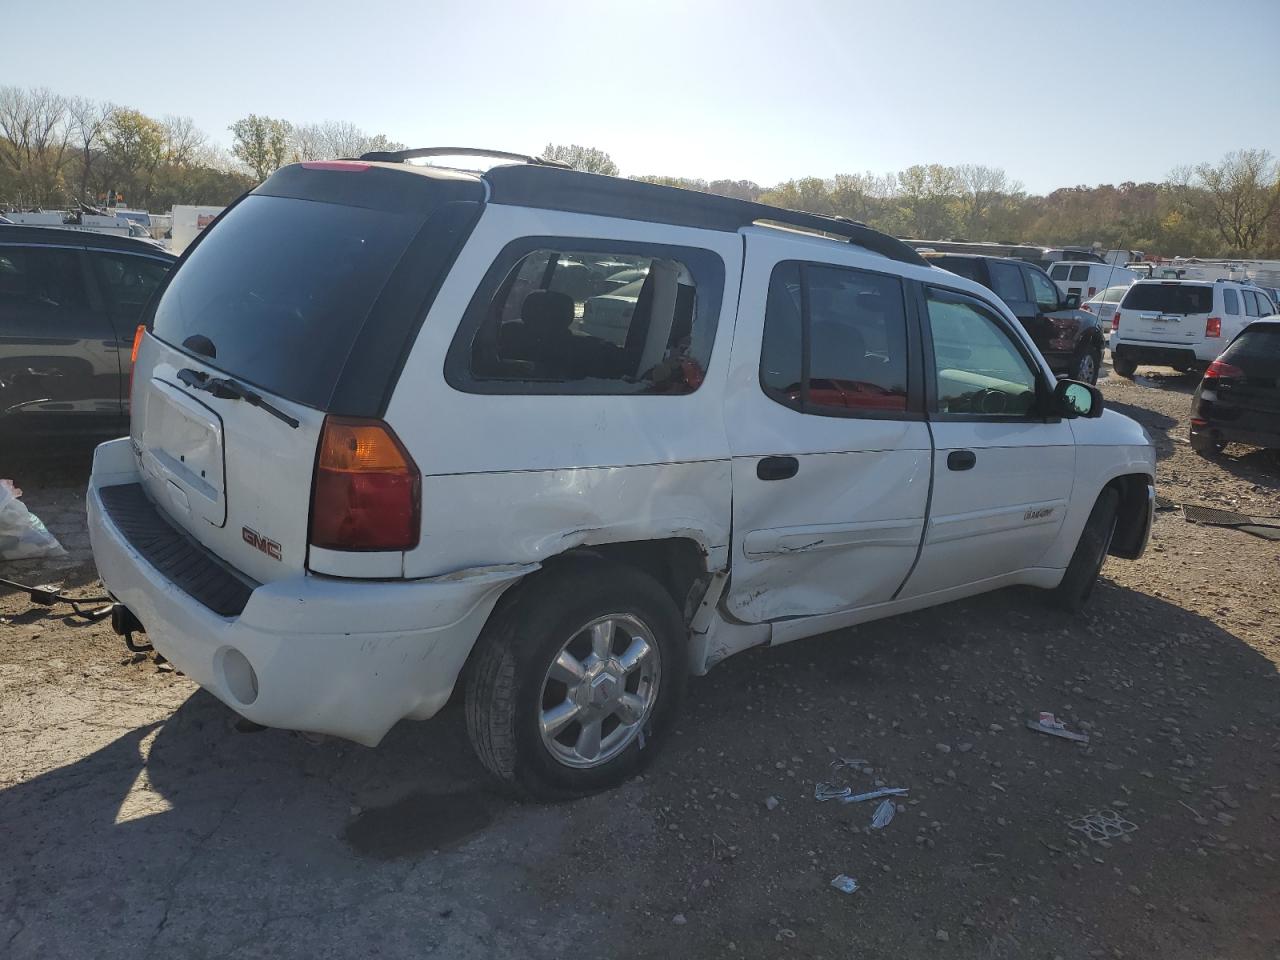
(1070, 339)
(70, 302)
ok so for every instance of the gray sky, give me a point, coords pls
(1056, 93)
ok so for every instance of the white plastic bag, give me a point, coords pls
(22, 535)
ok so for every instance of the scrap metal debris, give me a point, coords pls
(1048, 723)
(1102, 825)
(1268, 528)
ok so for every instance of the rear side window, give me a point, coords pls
(1231, 301)
(40, 282)
(1060, 271)
(1007, 282)
(1250, 304)
(128, 282)
(1180, 298)
(278, 290)
(589, 317)
(835, 340)
(1079, 273)
(962, 266)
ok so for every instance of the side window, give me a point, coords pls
(1007, 282)
(854, 325)
(1045, 293)
(127, 282)
(1231, 301)
(1059, 271)
(978, 370)
(1080, 272)
(608, 319)
(1250, 304)
(40, 283)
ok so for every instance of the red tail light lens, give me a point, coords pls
(368, 492)
(1213, 327)
(1115, 321)
(1219, 369)
(138, 334)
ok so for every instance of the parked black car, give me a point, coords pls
(1068, 337)
(1239, 397)
(70, 302)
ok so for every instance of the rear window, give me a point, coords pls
(1080, 273)
(1112, 294)
(1169, 298)
(278, 290)
(1060, 271)
(1258, 342)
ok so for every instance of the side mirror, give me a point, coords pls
(1071, 301)
(1071, 398)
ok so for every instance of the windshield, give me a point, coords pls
(1182, 298)
(278, 290)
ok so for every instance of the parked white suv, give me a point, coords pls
(398, 427)
(1182, 324)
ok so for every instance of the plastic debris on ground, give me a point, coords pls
(22, 535)
(827, 790)
(884, 813)
(1048, 723)
(845, 883)
(1102, 825)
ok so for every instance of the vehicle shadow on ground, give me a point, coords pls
(1254, 465)
(1158, 425)
(187, 837)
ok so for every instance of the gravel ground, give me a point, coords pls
(136, 821)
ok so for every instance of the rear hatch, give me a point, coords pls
(1247, 388)
(1166, 311)
(300, 301)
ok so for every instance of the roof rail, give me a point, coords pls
(400, 156)
(577, 192)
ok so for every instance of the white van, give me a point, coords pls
(1086, 279)
(563, 440)
(1182, 324)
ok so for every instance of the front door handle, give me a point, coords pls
(961, 460)
(777, 468)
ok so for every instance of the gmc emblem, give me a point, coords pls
(256, 540)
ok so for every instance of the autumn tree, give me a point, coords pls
(586, 159)
(1243, 196)
(134, 148)
(261, 143)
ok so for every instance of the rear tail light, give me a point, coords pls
(1220, 369)
(1213, 327)
(138, 334)
(1092, 291)
(1086, 308)
(1115, 321)
(368, 492)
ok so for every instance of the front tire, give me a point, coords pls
(1090, 554)
(576, 679)
(1125, 368)
(1086, 365)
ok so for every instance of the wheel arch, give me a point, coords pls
(1133, 526)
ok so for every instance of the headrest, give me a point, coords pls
(547, 311)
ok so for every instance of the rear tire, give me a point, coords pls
(1207, 445)
(538, 661)
(1125, 368)
(1090, 554)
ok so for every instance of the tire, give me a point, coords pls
(1086, 365)
(1090, 553)
(1125, 368)
(1206, 445)
(512, 688)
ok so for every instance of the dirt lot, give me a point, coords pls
(135, 820)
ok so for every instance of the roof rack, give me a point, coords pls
(419, 153)
(576, 192)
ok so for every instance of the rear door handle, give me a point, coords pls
(961, 460)
(777, 468)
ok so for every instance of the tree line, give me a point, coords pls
(56, 151)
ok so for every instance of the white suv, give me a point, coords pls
(565, 440)
(1182, 324)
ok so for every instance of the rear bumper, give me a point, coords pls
(1164, 355)
(343, 657)
(1226, 433)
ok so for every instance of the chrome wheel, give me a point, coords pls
(1087, 369)
(599, 691)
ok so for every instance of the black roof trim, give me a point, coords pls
(70, 236)
(572, 191)
(420, 153)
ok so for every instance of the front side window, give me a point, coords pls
(854, 327)
(128, 282)
(1046, 294)
(977, 368)
(1231, 302)
(40, 283)
(1006, 281)
(613, 319)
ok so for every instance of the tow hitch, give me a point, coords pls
(124, 623)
